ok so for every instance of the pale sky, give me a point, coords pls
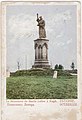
(22, 30)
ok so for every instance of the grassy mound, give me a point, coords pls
(40, 72)
(32, 72)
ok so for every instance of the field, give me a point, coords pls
(41, 87)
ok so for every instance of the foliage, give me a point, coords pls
(56, 67)
(72, 71)
(41, 87)
(63, 73)
(18, 65)
(32, 72)
(72, 65)
(61, 67)
(40, 72)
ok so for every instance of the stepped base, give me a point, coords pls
(41, 64)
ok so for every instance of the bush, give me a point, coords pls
(37, 72)
(40, 72)
(63, 73)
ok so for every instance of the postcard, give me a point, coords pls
(41, 60)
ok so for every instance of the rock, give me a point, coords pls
(55, 74)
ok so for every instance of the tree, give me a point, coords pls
(56, 67)
(61, 67)
(72, 65)
(18, 65)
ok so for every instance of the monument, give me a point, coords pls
(41, 46)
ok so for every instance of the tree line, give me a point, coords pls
(61, 67)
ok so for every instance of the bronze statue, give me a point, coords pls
(41, 24)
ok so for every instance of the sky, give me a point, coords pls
(22, 30)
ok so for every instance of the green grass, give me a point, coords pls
(41, 87)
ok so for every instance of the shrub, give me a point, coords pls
(37, 72)
(63, 73)
(40, 72)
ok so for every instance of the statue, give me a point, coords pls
(41, 46)
(41, 24)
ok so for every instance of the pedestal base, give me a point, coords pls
(41, 53)
(41, 64)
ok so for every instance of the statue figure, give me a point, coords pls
(41, 24)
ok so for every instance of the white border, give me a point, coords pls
(3, 45)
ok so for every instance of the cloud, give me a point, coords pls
(64, 16)
(24, 25)
(60, 17)
(64, 43)
(21, 25)
(56, 23)
(60, 35)
(69, 41)
(60, 44)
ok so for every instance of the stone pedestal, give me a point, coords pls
(41, 53)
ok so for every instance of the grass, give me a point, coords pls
(41, 87)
